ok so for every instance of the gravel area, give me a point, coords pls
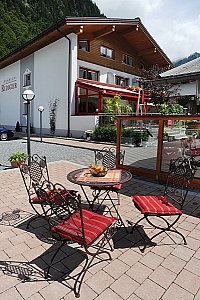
(53, 152)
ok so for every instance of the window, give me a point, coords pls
(127, 60)
(88, 74)
(121, 81)
(106, 52)
(84, 45)
(87, 101)
(27, 78)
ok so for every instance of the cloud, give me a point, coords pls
(173, 24)
(128, 8)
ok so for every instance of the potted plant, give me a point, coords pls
(17, 158)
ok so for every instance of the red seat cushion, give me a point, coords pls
(155, 205)
(51, 195)
(94, 225)
(115, 187)
(195, 152)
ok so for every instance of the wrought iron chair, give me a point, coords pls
(178, 182)
(34, 176)
(70, 223)
(108, 157)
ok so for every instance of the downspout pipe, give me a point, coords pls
(69, 82)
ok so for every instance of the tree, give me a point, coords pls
(158, 92)
(114, 106)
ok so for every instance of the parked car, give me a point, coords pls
(5, 134)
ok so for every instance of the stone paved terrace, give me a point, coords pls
(166, 271)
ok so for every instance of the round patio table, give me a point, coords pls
(113, 177)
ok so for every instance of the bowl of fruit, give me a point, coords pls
(98, 171)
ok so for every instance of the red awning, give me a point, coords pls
(106, 88)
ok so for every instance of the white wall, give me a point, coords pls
(74, 75)
(50, 82)
(81, 123)
(106, 73)
(10, 95)
(185, 89)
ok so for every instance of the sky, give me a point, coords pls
(174, 24)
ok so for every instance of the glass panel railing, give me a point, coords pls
(139, 138)
(180, 138)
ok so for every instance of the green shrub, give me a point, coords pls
(135, 134)
(105, 134)
(18, 156)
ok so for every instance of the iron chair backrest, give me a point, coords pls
(179, 180)
(64, 204)
(35, 173)
(108, 157)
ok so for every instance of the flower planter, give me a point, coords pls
(16, 164)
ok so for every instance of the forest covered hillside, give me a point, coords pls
(21, 20)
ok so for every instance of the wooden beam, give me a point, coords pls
(147, 51)
(104, 32)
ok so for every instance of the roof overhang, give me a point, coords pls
(131, 31)
(181, 78)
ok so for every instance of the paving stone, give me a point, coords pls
(5, 244)
(197, 254)
(36, 296)
(116, 268)
(193, 266)
(11, 294)
(149, 290)
(133, 297)
(7, 282)
(33, 253)
(27, 289)
(175, 292)
(130, 257)
(100, 281)
(17, 249)
(54, 291)
(107, 294)
(124, 286)
(193, 243)
(183, 252)
(151, 260)
(86, 293)
(163, 250)
(195, 234)
(163, 276)
(197, 296)
(188, 281)
(139, 272)
(173, 263)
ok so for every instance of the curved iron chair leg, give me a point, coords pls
(169, 228)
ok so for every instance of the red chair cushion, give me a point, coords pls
(115, 187)
(155, 205)
(94, 225)
(50, 197)
(195, 151)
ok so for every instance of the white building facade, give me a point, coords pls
(51, 71)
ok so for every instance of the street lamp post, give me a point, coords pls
(28, 96)
(41, 109)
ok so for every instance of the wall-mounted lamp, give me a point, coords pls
(81, 29)
(155, 50)
(113, 28)
(137, 28)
